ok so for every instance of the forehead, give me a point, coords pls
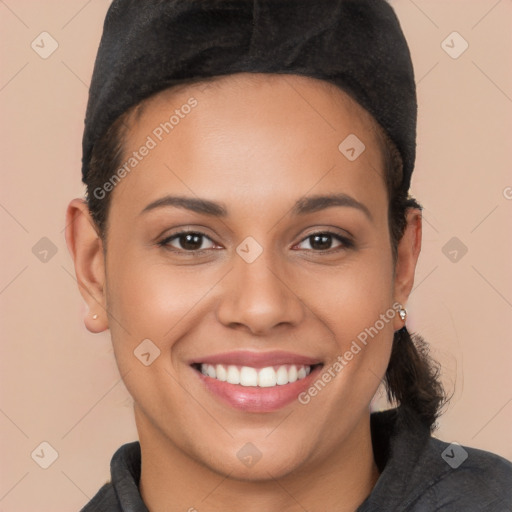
(261, 86)
(263, 134)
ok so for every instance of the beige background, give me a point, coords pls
(60, 384)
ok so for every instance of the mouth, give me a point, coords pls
(266, 377)
(256, 382)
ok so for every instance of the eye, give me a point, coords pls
(322, 241)
(194, 242)
(188, 241)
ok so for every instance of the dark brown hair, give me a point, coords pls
(412, 377)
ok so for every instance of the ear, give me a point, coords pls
(408, 251)
(86, 249)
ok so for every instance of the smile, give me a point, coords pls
(269, 376)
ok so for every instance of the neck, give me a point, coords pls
(172, 481)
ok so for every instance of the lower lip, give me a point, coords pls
(255, 398)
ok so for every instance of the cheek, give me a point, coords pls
(160, 303)
(368, 296)
(354, 306)
(155, 301)
(354, 294)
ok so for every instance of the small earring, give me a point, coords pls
(95, 317)
(402, 312)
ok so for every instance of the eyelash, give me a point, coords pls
(347, 244)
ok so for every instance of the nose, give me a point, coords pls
(257, 298)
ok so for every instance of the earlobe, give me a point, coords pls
(408, 252)
(86, 249)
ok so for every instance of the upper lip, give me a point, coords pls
(257, 359)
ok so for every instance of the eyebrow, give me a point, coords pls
(303, 206)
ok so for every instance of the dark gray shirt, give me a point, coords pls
(418, 473)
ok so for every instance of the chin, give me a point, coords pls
(268, 467)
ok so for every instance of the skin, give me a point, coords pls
(257, 144)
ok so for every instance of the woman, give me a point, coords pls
(249, 240)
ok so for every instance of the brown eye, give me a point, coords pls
(322, 241)
(186, 241)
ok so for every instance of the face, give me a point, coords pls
(244, 244)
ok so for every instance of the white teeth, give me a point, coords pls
(267, 377)
(282, 375)
(221, 372)
(233, 375)
(248, 376)
(264, 377)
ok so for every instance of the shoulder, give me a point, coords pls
(464, 478)
(121, 492)
(421, 473)
(104, 500)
